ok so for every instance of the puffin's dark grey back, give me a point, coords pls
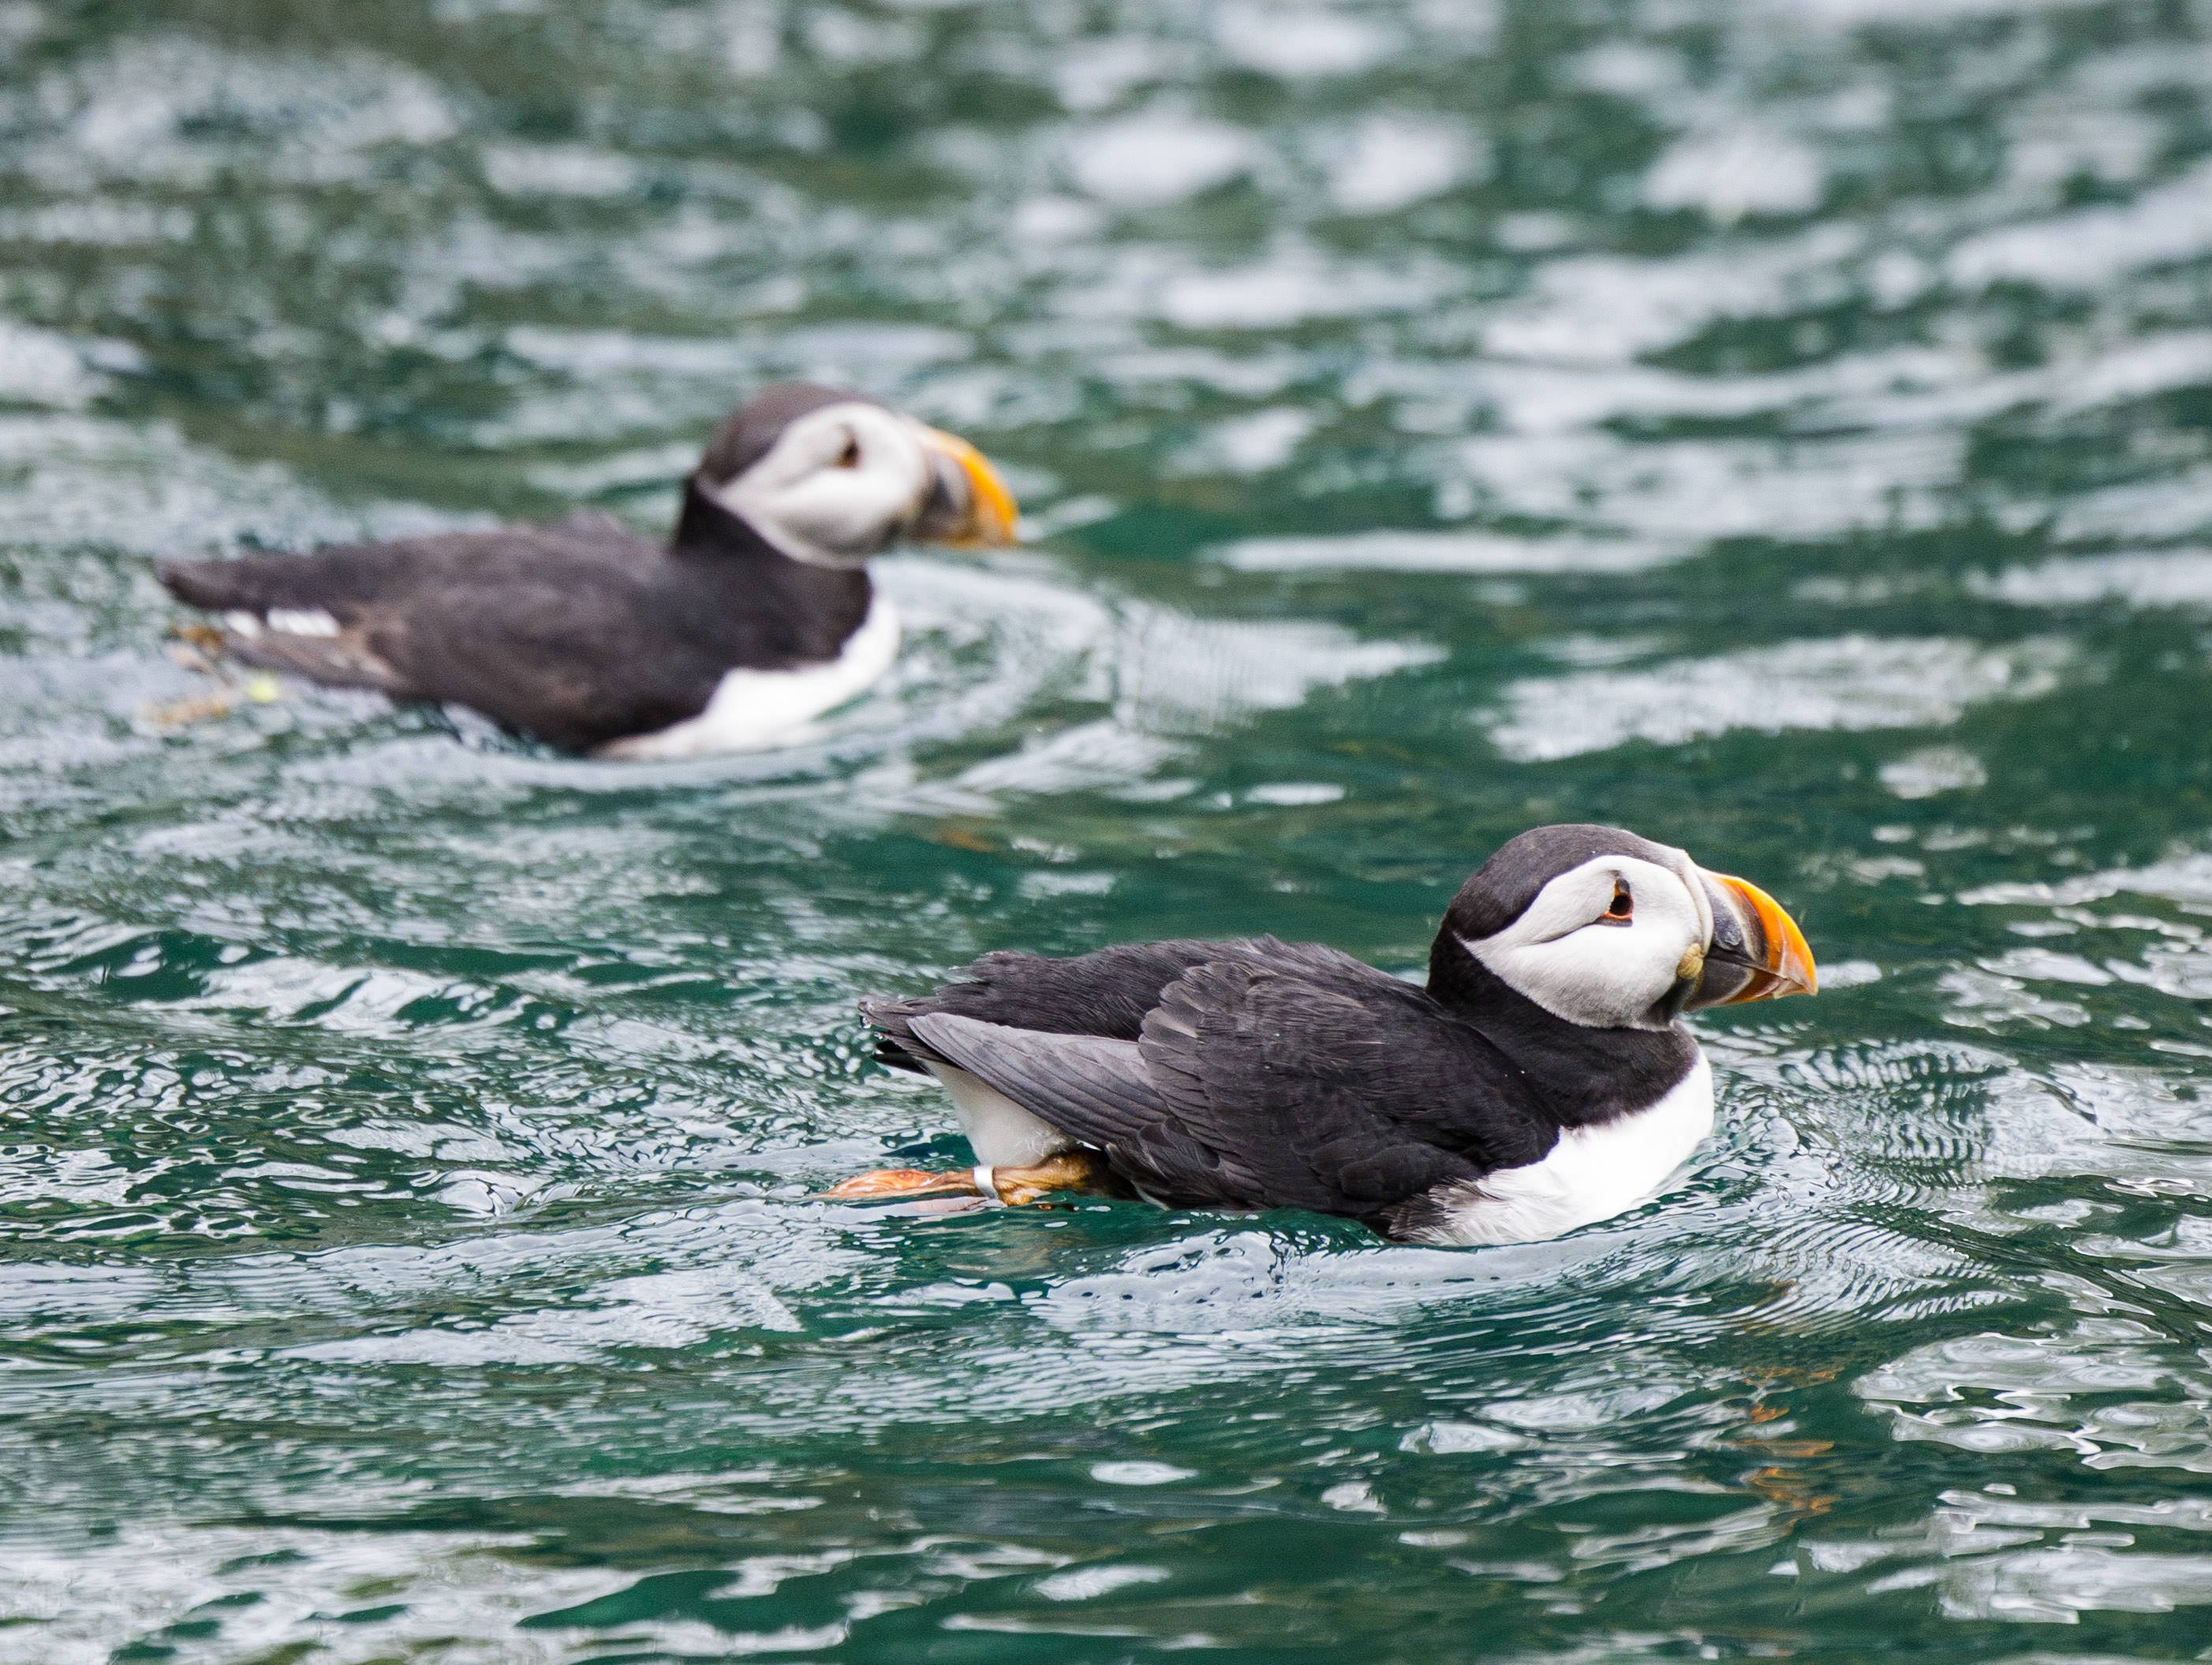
(578, 634)
(747, 432)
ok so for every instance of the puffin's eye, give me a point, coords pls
(1624, 905)
(850, 456)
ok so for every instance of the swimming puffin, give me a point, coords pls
(753, 616)
(1542, 1080)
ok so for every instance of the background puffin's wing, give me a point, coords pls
(560, 632)
(336, 577)
(331, 580)
(297, 614)
(343, 660)
(574, 653)
(220, 587)
(253, 583)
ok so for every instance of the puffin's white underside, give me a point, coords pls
(283, 621)
(748, 710)
(753, 710)
(1003, 1133)
(1590, 1175)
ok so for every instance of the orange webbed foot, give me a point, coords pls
(900, 1184)
(1070, 1170)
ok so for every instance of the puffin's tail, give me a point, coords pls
(275, 614)
(897, 1044)
(251, 586)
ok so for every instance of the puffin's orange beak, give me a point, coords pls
(1758, 952)
(970, 504)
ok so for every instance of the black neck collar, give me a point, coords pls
(1577, 1075)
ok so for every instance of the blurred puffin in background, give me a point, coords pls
(1542, 1080)
(755, 615)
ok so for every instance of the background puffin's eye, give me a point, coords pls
(1624, 904)
(850, 456)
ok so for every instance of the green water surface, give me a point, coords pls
(1782, 427)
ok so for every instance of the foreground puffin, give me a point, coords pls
(1541, 1081)
(753, 616)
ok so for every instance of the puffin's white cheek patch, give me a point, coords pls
(1594, 977)
(1563, 954)
(839, 485)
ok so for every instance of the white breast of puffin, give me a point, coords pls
(1591, 1173)
(752, 709)
(1002, 1133)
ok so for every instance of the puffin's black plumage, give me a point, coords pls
(579, 633)
(1261, 1074)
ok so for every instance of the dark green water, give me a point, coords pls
(1783, 428)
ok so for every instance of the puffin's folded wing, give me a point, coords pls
(1339, 1097)
(343, 660)
(1107, 991)
(332, 579)
(252, 584)
(1092, 1089)
(575, 655)
(1104, 993)
(1250, 1089)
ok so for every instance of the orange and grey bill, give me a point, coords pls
(1789, 968)
(992, 511)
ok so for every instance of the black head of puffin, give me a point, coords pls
(1611, 931)
(833, 477)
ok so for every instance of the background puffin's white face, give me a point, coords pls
(1603, 943)
(837, 486)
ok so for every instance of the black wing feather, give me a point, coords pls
(1098, 1090)
(538, 628)
(579, 633)
(578, 657)
(1107, 992)
(343, 660)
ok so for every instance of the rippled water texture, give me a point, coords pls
(1784, 428)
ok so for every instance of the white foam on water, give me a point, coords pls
(1156, 158)
(2166, 578)
(1735, 171)
(1299, 42)
(1931, 771)
(1389, 162)
(2091, 247)
(1708, 489)
(1842, 683)
(1442, 551)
